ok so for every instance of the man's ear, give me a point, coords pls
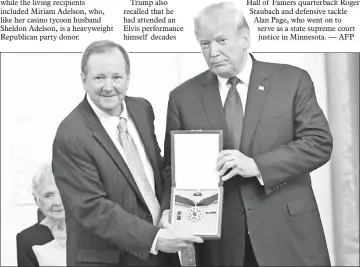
(245, 38)
(83, 78)
(128, 80)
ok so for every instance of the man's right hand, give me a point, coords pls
(172, 240)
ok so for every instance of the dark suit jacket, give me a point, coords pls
(36, 234)
(286, 133)
(108, 222)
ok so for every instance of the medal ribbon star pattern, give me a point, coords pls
(195, 213)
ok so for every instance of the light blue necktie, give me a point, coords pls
(136, 168)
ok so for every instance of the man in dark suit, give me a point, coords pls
(275, 134)
(106, 163)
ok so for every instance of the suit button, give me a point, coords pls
(149, 218)
(241, 212)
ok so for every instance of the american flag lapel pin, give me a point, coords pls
(260, 88)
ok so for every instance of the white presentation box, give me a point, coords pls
(197, 190)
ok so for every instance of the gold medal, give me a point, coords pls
(195, 208)
(195, 214)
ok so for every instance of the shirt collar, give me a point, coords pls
(103, 116)
(244, 75)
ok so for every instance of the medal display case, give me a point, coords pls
(197, 191)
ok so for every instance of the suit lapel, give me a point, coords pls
(141, 122)
(257, 92)
(212, 104)
(103, 138)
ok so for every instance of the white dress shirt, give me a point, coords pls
(50, 254)
(110, 124)
(242, 88)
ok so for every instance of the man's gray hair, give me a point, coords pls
(101, 47)
(227, 8)
(43, 174)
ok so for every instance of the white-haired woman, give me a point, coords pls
(43, 244)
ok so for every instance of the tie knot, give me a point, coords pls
(233, 81)
(122, 125)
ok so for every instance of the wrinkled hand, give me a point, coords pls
(172, 240)
(164, 222)
(239, 164)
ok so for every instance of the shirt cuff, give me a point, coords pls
(153, 250)
(259, 177)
